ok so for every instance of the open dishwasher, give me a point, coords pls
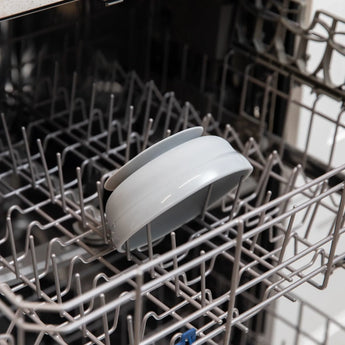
(85, 88)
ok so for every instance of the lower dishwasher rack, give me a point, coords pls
(63, 282)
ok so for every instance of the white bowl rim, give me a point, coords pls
(150, 153)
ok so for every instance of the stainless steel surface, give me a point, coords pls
(14, 8)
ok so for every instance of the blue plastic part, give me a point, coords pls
(188, 338)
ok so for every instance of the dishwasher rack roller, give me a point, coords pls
(62, 279)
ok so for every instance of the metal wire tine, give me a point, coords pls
(105, 321)
(336, 235)
(148, 105)
(9, 143)
(130, 329)
(13, 247)
(177, 281)
(92, 108)
(185, 115)
(290, 186)
(72, 102)
(204, 208)
(265, 177)
(34, 266)
(130, 93)
(169, 111)
(274, 287)
(283, 140)
(237, 196)
(295, 244)
(206, 122)
(129, 134)
(261, 220)
(333, 147)
(226, 131)
(203, 73)
(167, 133)
(56, 279)
(242, 327)
(249, 144)
(61, 181)
(81, 197)
(128, 251)
(314, 213)
(21, 332)
(81, 305)
(28, 156)
(147, 133)
(268, 196)
(343, 221)
(327, 331)
(110, 121)
(46, 171)
(317, 191)
(309, 131)
(101, 210)
(150, 247)
(299, 324)
(235, 137)
(55, 81)
(262, 112)
(234, 283)
(203, 280)
(286, 238)
(138, 308)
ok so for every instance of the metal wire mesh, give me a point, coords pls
(62, 279)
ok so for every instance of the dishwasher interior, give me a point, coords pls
(85, 88)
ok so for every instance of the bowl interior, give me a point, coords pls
(185, 210)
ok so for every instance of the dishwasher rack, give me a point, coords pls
(220, 274)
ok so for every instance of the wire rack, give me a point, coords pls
(61, 278)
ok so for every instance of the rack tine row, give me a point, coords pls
(192, 279)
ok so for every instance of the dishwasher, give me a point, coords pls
(87, 85)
